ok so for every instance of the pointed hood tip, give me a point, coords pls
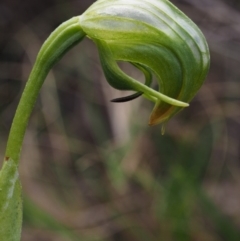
(155, 121)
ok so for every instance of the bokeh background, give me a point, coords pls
(93, 170)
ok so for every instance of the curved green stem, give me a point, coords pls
(61, 40)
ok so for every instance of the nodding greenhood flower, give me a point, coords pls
(157, 38)
(153, 35)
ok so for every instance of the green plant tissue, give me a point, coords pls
(10, 202)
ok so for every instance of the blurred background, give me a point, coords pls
(95, 171)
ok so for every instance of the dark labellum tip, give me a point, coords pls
(127, 98)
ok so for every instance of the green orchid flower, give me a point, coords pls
(153, 35)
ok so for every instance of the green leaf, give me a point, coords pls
(10, 202)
